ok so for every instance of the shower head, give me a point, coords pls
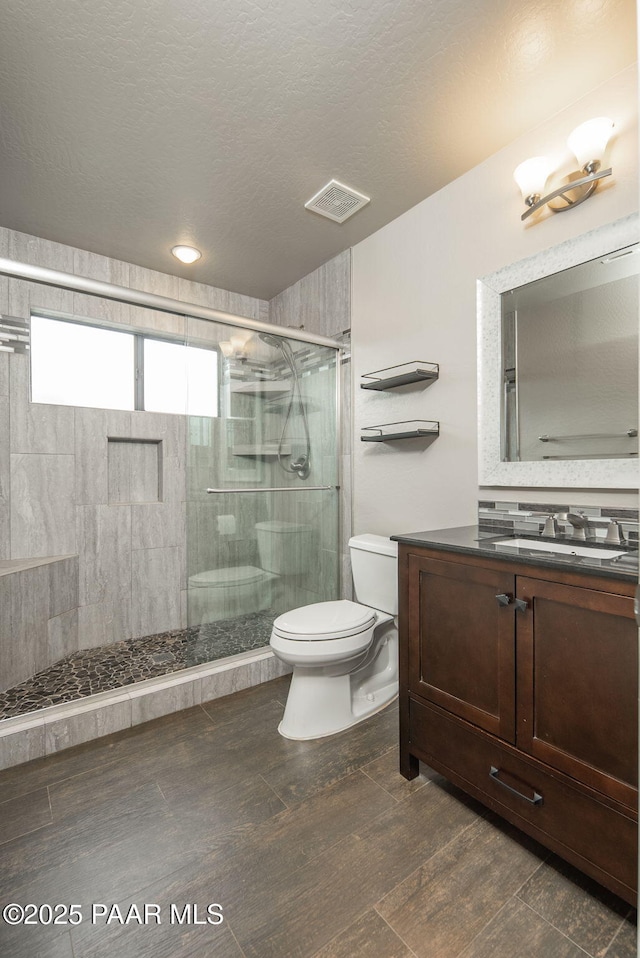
(270, 339)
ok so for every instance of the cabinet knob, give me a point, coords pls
(521, 605)
(504, 598)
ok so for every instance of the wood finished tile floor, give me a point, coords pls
(311, 848)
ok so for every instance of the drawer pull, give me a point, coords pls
(504, 598)
(536, 800)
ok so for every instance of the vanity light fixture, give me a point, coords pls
(186, 254)
(588, 143)
(238, 346)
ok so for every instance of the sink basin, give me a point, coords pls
(563, 548)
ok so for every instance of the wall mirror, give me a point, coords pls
(558, 365)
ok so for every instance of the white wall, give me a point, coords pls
(414, 297)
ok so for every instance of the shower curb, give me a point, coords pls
(50, 730)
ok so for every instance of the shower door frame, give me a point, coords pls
(136, 297)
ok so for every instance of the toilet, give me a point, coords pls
(344, 654)
(284, 549)
(227, 593)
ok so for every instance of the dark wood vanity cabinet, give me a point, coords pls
(520, 684)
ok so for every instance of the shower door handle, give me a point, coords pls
(275, 489)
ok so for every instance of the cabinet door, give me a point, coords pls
(461, 641)
(577, 655)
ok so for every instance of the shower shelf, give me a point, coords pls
(279, 403)
(401, 375)
(410, 429)
(264, 450)
(264, 387)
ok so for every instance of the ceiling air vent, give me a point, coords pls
(337, 201)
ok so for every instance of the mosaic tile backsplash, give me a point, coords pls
(523, 517)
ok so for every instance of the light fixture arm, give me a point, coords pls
(589, 182)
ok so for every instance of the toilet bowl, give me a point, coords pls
(344, 654)
(226, 593)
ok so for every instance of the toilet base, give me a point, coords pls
(225, 600)
(321, 703)
(355, 720)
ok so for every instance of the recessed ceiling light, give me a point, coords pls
(186, 254)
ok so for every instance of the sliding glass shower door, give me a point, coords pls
(262, 488)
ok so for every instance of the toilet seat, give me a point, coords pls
(324, 621)
(225, 578)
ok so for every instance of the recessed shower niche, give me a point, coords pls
(134, 468)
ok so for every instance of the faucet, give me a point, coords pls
(579, 524)
(615, 533)
(551, 528)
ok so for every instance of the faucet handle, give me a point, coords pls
(551, 527)
(580, 525)
(614, 533)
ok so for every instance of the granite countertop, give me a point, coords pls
(470, 540)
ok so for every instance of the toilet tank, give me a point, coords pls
(285, 548)
(374, 564)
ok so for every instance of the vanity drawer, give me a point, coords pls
(596, 837)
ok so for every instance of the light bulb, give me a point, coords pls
(239, 340)
(531, 177)
(186, 254)
(589, 140)
(240, 344)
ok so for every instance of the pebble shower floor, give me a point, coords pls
(124, 663)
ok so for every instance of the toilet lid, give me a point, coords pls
(325, 620)
(279, 525)
(221, 578)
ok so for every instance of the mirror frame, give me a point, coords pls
(576, 473)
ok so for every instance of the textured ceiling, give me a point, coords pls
(130, 125)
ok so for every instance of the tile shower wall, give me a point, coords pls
(38, 615)
(67, 474)
(321, 303)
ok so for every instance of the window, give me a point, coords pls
(180, 378)
(75, 364)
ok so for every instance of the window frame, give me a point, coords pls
(139, 337)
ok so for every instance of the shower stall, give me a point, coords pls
(262, 489)
(158, 533)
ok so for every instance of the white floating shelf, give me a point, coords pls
(264, 449)
(402, 375)
(264, 387)
(411, 429)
